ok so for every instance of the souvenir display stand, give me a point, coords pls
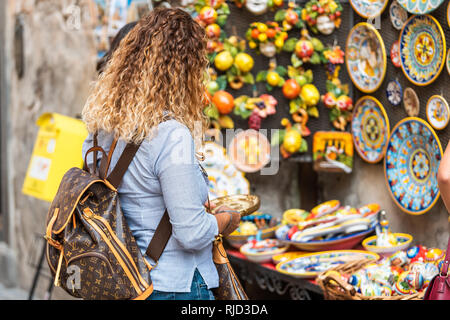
(341, 80)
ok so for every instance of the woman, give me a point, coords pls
(151, 93)
(444, 178)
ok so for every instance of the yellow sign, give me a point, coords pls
(56, 150)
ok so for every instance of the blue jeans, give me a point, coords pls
(199, 291)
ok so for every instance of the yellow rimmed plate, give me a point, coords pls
(312, 264)
(438, 112)
(422, 49)
(370, 129)
(265, 256)
(238, 240)
(404, 240)
(287, 256)
(369, 8)
(365, 57)
(411, 163)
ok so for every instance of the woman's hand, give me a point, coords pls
(227, 219)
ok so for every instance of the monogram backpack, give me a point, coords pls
(90, 250)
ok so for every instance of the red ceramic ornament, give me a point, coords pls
(395, 54)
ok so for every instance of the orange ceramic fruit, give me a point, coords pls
(291, 89)
(207, 98)
(223, 101)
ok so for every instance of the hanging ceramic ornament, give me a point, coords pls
(257, 7)
(365, 57)
(422, 49)
(369, 8)
(448, 62)
(411, 102)
(274, 77)
(395, 54)
(333, 151)
(266, 38)
(290, 139)
(255, 109)
(437, 112)
(398, 15)
(306, 50)
(322, 15)
(290, 17)
(394, 92)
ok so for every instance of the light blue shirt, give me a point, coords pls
(165, 174)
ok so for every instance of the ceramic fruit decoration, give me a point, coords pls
(266, 38)
(322, 15)
(289, 139)
(255, 109)
(236, 64)
(274, 77)
(212, 15)
(290, 17)
(337, 98)
(221, 104)
(306, 50)
(275, 4)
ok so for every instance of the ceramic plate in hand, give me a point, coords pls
(370, 129)
(244, 203)
(365, 56)
(398, 15)
(369, 8)
(422, 49)
(420, 6)
(411, 164)
(311, 265)
(437, 112)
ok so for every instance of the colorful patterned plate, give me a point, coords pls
(395, 54)
(365, 57)
(310, 265)
(398, 15)
(403, 242)
(411, 164)
(370, 129)
(394, 92)
(437, 112)
(411, 102)
(420, 6)
(221, 184)
(448, 61)
(369, 8)
(422, 49)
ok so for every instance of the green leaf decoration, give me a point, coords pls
(278, 137)
(222, 82)
(303, 146)
(313, 112)
(296, 62)
(281, 83)
(221, 19)
(334, 114)
(248, 78)
(269, 87)
(211, 111)
(261, 76)
(282, 71)
(289, 44)
(315, 58)
(280, 15)
(330, 86)
(293, 107)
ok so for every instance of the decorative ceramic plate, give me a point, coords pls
(238, 240)
(370, 129)
(422, 49)
(249, 151)
(310, 265)
(420, 6)
(395, 54)
(340, 242)
(244, 203)
(411, 164)
(324, 209)
(398, 15)
(369, 8)
(448, 61)
(221, 184)
(365, 57)
(403, 242)
(437, 112)
(394, 92)
(411, 102)
(287, 256)
(262, 251)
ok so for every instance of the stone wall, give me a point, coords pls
(59, 66)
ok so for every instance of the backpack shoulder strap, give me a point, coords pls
(164, 229)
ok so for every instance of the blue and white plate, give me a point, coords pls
(398, 15)
(394, 92)
(411, 163)
(420, 6)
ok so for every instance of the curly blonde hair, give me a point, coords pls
(156, 72)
